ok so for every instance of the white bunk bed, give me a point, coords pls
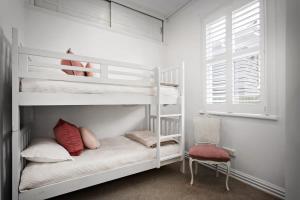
(151, 87)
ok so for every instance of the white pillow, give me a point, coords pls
(45, 150)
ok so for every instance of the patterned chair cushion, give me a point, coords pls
(209, 152)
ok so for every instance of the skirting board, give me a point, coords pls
(252, 181)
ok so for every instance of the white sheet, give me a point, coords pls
(50, 86)
(113, 152)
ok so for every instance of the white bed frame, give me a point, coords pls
(165, 126)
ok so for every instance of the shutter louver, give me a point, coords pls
(215, 63)
(216, 39)
(216, 83)
(246, 80)
(246, 31)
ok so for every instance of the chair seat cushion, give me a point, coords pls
(209, 152)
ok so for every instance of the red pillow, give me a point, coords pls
(68, 135)
(72, 63)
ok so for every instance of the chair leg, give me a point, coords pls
(196, 168)
(217, 170)
(191, 169)
(183, 166)
(227, 175)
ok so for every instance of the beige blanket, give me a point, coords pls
(148, 138)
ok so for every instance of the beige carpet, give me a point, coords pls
(169, 183)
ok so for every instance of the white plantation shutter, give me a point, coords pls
(215, 63)
(246, 80)
(246, 32)
(234, 59)
(216, 83)
(216, 39)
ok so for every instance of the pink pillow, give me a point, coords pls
(89, 139)
(72, 63)
(67, 62)
(68, 135)
(89, 66)
(77, 64)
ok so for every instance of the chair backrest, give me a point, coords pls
(207, 129)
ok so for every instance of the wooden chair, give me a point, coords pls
(206, 150)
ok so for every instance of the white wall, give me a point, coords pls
(293, 99)
(46, 30)
(11, 15)
(104, 121)
(259, 144)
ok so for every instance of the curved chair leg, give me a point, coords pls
(227, 175)
(217, 171)
(191, 169)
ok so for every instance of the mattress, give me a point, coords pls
(113, 153)
(50, 86)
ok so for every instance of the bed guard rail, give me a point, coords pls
(42, 64)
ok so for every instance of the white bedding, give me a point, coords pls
(50, 86)
(113, 152)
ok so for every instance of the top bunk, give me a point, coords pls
(40, 79)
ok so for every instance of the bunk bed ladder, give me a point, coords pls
(163, 120)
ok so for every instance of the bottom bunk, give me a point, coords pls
(117, 157)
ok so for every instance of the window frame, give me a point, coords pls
(229, 106)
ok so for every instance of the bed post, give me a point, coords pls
(147, 116)
(157, 102)
(182, 95)
(16, 164)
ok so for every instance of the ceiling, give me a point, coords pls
(162, 9)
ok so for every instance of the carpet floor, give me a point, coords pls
(168, 183)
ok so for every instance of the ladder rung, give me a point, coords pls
(169, 136)
(171, 115)
(170, 157)
(169, 84)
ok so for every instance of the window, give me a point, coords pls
(234, 47)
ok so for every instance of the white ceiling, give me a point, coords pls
(158, 8)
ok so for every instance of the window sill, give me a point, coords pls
(243, 115)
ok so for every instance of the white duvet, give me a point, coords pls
(46, 86)
(113, 152)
